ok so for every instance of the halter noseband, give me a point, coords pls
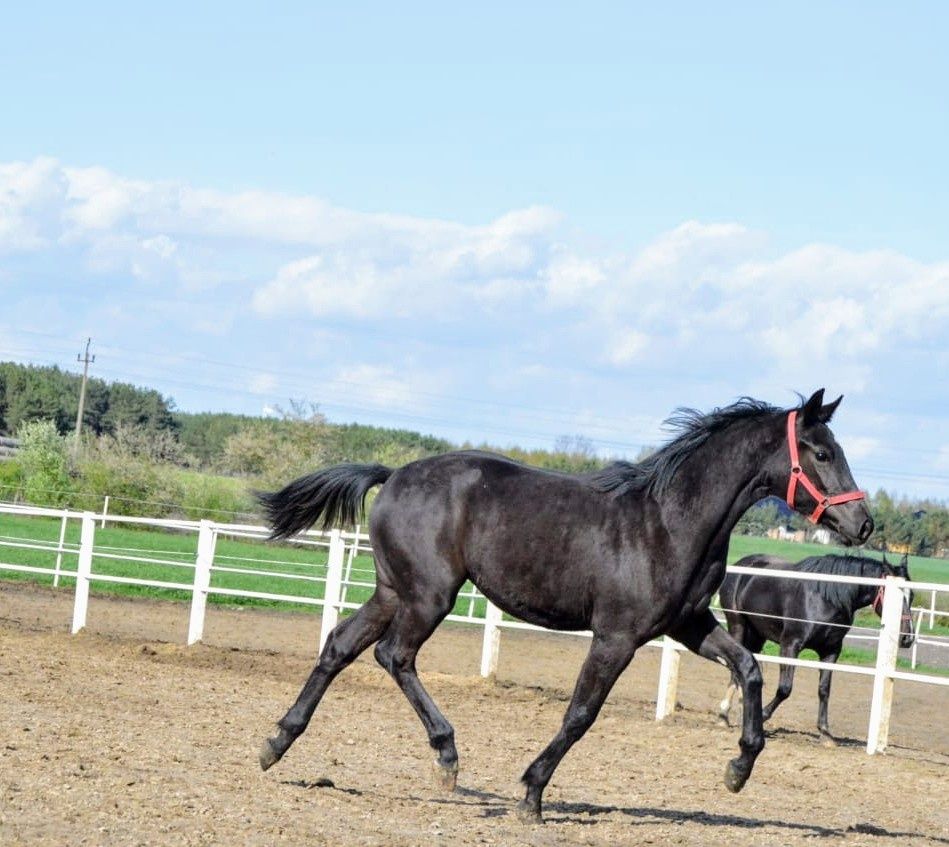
(798, 475)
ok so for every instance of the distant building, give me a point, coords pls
(785, 533)
(821, 536)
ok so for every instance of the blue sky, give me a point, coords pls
(503, 224)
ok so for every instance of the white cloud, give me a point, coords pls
(942, 458)
(700, 298)
(627, 347)
(860, 447)
(385, 386)
(263, 383)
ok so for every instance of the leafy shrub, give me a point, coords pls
(216, 498)
(44, 461)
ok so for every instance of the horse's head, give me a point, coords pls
(820, 484)
(907, 633)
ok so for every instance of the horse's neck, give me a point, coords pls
(865, 594)
(716, 485)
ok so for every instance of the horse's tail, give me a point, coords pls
(336, 494)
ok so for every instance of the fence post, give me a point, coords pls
(668, 679)
(83, 571)
(916, 630)
(59, 550)
(334, 581)
(491, 642)
(207, 540)
(350, 556)
(887, 650)
(105, 511)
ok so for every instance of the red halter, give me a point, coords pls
(798, 475)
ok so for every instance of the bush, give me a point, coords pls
(217, 498)
(44, 461)
(11, 478)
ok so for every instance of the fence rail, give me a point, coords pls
(341, 574)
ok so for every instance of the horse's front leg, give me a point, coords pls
(823, 692)
(703, 635)
(607, 658)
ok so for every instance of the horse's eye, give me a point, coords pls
(821, 456)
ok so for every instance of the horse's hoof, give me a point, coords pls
(827, 740)
(446, 776)
(268, 756)
(528, 814)
(735, 777)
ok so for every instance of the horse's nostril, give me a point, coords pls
(866, 530)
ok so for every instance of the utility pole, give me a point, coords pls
(82, 391)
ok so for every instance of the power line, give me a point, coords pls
(488, 429)
(551, 415)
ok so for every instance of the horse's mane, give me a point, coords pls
(654, 473)
(839, 594)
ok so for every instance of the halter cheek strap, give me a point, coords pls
(798, 476)
(877, 606)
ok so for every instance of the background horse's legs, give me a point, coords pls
(409, 630)
(823, 693)
(790, 650)
(607, 658)
(702, 635)
(347, 640)
(744, 634)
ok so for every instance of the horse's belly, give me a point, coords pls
(543, 603)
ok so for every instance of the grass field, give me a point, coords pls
(171, 556)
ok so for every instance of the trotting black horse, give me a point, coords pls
(630, 552)
(800, 614)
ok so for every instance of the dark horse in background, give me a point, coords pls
(630, 552)
(804, 614)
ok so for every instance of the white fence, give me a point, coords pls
(341, 573)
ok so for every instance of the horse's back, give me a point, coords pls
(732, 582)
(532, 540)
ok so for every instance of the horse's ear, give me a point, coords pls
(827, 412)
(811, 410)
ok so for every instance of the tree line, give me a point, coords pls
(138, 448)
(29, 393)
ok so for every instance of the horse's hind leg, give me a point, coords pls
(410, 628)
(347, 640)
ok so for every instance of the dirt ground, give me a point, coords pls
(123, 736)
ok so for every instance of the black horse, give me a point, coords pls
(800, 614)
(630, 552)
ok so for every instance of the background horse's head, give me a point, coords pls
(823, 473)
(907, 633)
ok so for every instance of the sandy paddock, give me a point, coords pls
(123, 736)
